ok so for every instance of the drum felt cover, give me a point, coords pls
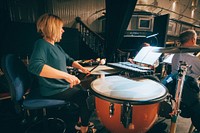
(121, 88)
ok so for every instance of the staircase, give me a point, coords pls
(91, 39)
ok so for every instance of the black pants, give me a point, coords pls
(78, 96)
(195, 116)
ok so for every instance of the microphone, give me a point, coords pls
(153, 35)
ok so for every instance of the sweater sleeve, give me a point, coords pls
(38, 58)
(69, 60)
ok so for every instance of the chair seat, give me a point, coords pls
(43, 103)
(5, 95)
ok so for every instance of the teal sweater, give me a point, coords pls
(54, 56)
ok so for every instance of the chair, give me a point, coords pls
(19, 80)
(4, 94)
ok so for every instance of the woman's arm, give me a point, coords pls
(50, 72)
(78, 66)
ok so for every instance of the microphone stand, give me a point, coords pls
(155, 36)
(156, 41)
(179, 87)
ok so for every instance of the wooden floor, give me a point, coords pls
(10, 122)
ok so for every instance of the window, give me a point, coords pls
(171, 28)
(145, 23)
(198, 32)
(185, 27)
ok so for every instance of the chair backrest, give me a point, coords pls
(17, 75)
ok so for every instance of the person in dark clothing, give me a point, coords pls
(49, 61)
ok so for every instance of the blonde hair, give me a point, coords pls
(48, 25)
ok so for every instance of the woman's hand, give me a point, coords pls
(73, 80)
(85, 70)
(75, 64)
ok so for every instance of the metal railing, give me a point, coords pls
(91, 39)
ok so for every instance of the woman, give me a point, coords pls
(48, 62)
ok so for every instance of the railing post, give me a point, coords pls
(92, 39)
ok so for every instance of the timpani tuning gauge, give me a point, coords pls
(111, 109)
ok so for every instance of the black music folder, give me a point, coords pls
(147, 56)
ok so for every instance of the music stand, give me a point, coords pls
(147, 56)
(183, 67)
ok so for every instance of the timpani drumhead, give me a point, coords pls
(123, 89)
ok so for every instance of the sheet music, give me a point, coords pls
(141, 54)
(147, 56)
(168, 59)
